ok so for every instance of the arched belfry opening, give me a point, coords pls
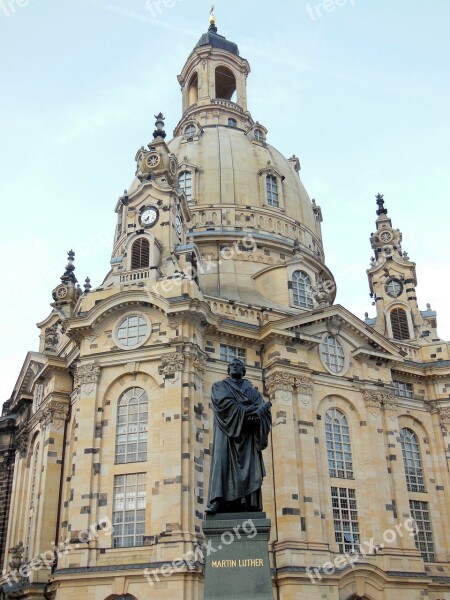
(193, 89)
(225, 84)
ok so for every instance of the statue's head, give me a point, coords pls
(236, 368)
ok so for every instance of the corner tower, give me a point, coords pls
(393, 280)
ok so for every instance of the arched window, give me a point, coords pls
(132, 426)
(272, 190)
(193, 90)
(302, 290)
(185, 184)
(412, 461)
(225, 83)
(333, 354)
(339, 450)
(140, 254)
(399, 323)
(232, 123)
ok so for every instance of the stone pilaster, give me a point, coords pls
(6, 477)
(81, 495)
(280, 386)
(310, 501)
(441, 427)
(380, 463)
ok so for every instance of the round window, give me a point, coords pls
(133, 331)
(190, 131)
(394, 288)
(333, 354)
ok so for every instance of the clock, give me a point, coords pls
(61, 292)
(386, 237)
(153, 160)
(178, 226)
(149, 216)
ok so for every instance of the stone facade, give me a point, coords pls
(107, 438)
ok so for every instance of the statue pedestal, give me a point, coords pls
(237, 557)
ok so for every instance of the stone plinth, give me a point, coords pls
(237, 557)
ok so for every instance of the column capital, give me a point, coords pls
(87, 374)
(279, 382)
(380, 399)
(172, 363)
(55, 413)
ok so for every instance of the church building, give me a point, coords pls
(106, 441)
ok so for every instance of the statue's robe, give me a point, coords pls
(237, 467)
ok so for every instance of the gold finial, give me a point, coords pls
(212, 18)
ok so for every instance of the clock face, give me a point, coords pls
(61, 292)
(153, 160)
(386, 237)
(178, 225)
(149, 216)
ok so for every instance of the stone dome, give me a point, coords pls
(230, 168)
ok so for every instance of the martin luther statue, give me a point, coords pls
(242, 423)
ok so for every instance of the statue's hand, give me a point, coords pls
(263, 408)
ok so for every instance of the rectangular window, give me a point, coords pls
(227, 353)
(272, 190)
(424, 535)
(403, 389)
(345, 518)
(129, 510)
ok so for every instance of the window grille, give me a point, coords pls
(338, 444)
(333, 354)
(302, 290)
(228, 353)
(345, 518)
(132, 426)
(129, 510)
(412, 461)
(272, 190)
(424, 534)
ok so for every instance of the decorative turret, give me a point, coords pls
(393, 280)
(385, 240)
(157, 163)
(67, 293)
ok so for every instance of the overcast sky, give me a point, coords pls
(358, 89)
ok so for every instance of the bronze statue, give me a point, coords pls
(242, 423)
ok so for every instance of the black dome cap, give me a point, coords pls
(212, 38)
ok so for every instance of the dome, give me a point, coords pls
(212, 38)
(231, 167)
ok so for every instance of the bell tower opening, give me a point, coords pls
(225, 84)
(193, 90)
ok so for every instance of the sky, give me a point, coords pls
(358, 89)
